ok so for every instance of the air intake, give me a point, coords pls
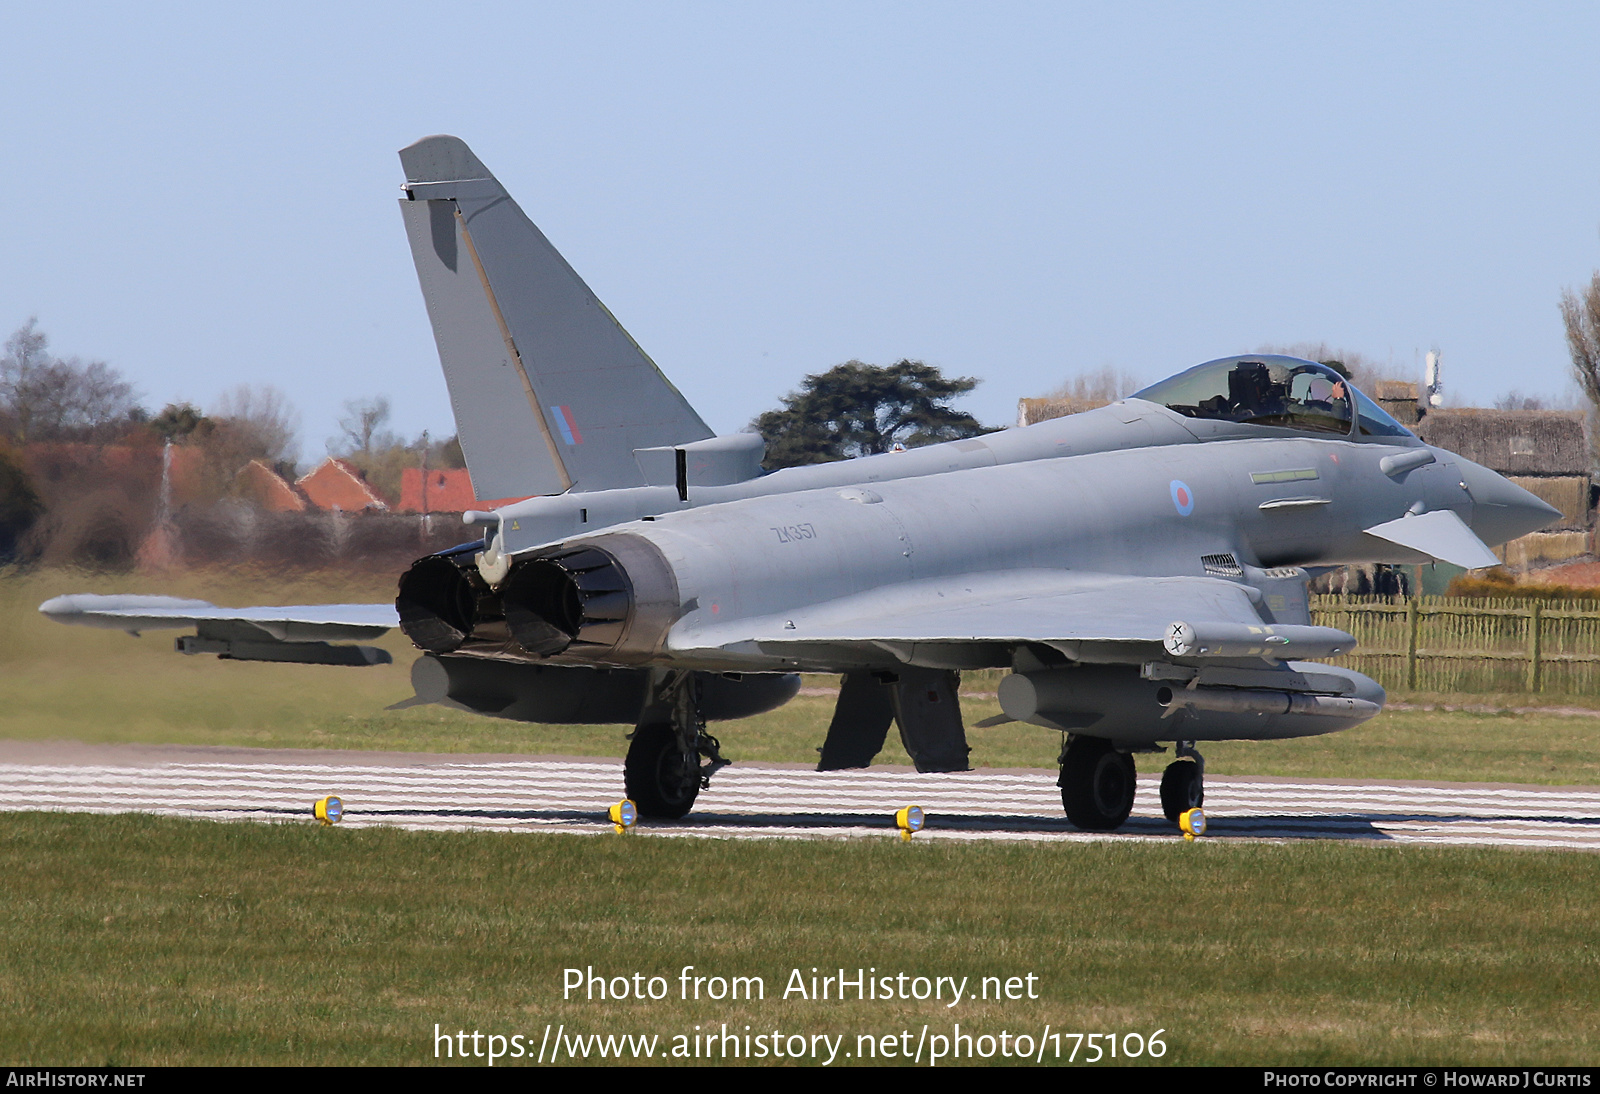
(1221, 565)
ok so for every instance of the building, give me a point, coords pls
(1546, 452)
(337, 484)
(1032, 411)
(448, 490)
(133, 471)
(1399, 399)
(266, 489)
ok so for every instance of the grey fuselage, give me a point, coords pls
(1094, 492)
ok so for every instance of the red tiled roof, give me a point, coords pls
(268, 489)
(336, 484)
(449, 491)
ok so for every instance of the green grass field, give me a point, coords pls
(141, 940)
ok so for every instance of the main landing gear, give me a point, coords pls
(662, 779)
(1098, 781)
(671, 757)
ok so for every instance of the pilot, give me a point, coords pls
(1251, 392)
(1322, 403)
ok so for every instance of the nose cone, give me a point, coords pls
(1502, 510)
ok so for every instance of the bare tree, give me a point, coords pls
(1105, 385)
(1581, 316)
(43, 397)
(27, 357)
(253, 423)
(362, 424)
(1516, 400)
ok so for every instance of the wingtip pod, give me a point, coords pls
(61, 608)
(97, 610)
(441, 158)
(1276, 642)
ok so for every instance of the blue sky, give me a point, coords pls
(203, 195)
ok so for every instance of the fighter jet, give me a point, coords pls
(1140, 569)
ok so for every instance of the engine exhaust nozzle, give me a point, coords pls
(580, 596)
(439, 600)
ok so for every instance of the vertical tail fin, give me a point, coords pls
(549, 392)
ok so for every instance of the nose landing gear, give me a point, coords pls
(1098, 780)
(1183, 783)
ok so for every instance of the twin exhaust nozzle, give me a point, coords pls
(544, 605)
(614, 595)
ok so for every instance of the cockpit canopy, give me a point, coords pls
(1274, 391)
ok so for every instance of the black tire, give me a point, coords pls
(1181, 789)
(653, 774)
(1097, 784)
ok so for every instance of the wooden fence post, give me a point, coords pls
(1413, 626)
(1534, 646)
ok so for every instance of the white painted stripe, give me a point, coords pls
(568, 796)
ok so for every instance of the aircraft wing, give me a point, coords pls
(299, 633)
(1088, 616)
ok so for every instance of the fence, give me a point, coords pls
(1450, 644)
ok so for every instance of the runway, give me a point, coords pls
(526, 794)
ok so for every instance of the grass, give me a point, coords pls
(78, 683)
(140, 940)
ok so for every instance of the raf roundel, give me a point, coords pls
(1182, 497)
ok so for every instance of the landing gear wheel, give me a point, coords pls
(1097, 784)
(655, 774)
(1181, 789)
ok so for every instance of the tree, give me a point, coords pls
(1516, 400)
(246, 423)
(380, 454)
(1581, 315)
(1096, 388)
(856, 409)
(384, 465)
(1085, 391)
(362, 427)
(447, 453)
(19, 503)
(47, 398)
(260, 421)
(178, 421)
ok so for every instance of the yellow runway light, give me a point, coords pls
(328, 810)
(624, 815)
(909, 820)
(1193, 823)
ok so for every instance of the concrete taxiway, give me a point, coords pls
(571, 794)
